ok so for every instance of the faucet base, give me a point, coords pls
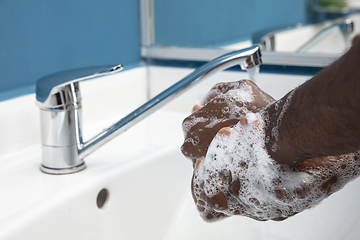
(57, 171)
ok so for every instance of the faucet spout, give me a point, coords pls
(72, 160)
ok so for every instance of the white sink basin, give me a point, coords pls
(143, 171)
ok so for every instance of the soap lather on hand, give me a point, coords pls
(223, 106)
(233, 172)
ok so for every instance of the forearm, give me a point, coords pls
(319, 118)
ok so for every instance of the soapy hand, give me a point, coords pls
(216, 183)
(238, 177)
(228, 182)
(223, 106)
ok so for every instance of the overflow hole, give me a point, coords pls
(102, 198)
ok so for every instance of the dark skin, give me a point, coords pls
(355, 39)
(322, 118)
(309, 117)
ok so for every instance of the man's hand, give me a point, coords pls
(243, 180)
(222, 107)
(320, 177)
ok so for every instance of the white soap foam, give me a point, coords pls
(187, 125)
(240, 91)
(268, 190)
(244, 94)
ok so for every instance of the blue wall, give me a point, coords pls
(208, 23)
(39, 37)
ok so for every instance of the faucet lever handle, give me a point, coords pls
(56, 82)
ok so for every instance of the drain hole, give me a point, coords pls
(102, 198)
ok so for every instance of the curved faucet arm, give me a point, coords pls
(346, 27)
(246, 58)
(49, 86)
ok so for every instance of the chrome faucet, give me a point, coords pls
(346, 27)
(59, 99)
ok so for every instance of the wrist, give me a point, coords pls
(277, 138)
